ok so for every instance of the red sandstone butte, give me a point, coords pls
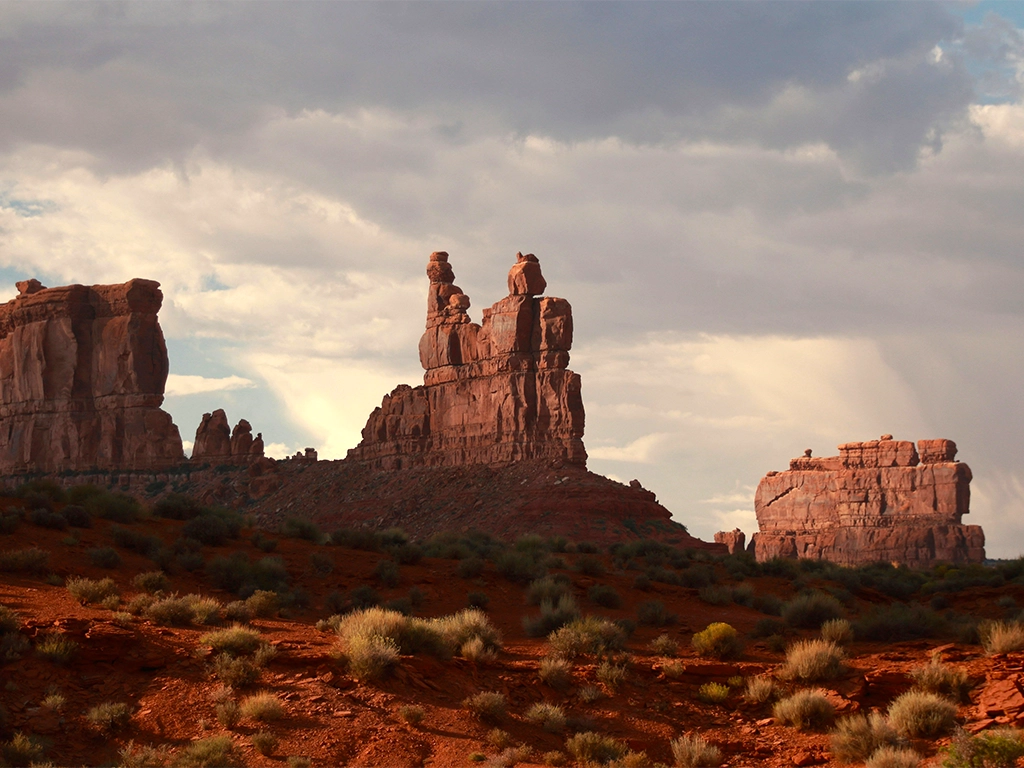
(881, 500)
(217, 443)
(82, 375)
(493, 393)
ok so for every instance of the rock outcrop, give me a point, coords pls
(493, 393)
(734, 540)
(82, 375)
(882, 500)
(217, 443)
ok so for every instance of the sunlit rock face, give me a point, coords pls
(493, 393)
(82, 375)
(881, 500)
(218, 444)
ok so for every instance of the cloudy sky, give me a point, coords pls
(780, 226)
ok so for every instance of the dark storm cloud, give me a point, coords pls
(138, 83)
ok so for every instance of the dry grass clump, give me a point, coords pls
(589, 693)
(998, 748)
(177, 611)
(673, 670)
(857, 737)
(21, 750)
(264, 707)
(611, 674)
(476, 650)
(589, 635)
(663, 645)
(263, 603)
(936, 677)
(549, 716)
(1002, 637)
(489, 706)
(152, 582)
(467, 626)
(236, 640)
(590, 747)
(441, 637)
(241, 654)
(717, 640)
(713, 693)
(806, 710)
(110, 716)
(759, 689)
(893, 757)
(30, 560)
(411, 713)
(838, 631)
(498, 738)
(556, 672)
(91, 590)
(554, 758)
(919, 714)
(264, 742)
(57, 647)
(371, 657)
(693, 751)
(812, 660)
(143, 756)
(207, 753)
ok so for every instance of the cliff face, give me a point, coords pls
(82, 374)
(493, 393)
(878, 500)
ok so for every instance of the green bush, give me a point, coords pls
(549, 589)
(9, 621)
(387, 573)
(470, 568)
(301, 528)
(857, 737)
(998, 748)
(589, 566)
(604, 595)
(57, 647)
(519, 567)
(213, 530)
(813, 660)
(177, 506)
(411, 713)
(211, 752)
(611, 674)
(591, 747)
(104, 557)
(811, 610)
(898, 622)
(119, 507)
(239, 575)
(30, 560)
(919, 714)
(713, 693)
(135, 541)
(718, 640)
(693, 751)
(152, 582)
(805, 710)
(44, 518)
(77, 517)
(653, 613)
(551, 617)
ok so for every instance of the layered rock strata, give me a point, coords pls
(82, 375)
(493, 393)
(881, 500)
(217, 443)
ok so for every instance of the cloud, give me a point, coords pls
(179, 385)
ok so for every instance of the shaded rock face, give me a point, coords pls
(878, 500)
(217, 443)
(734, 540)
(493, 393)
(82, 375)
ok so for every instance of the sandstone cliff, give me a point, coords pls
(493, 393)
(217, 443)
(879, 500)
(82, 374)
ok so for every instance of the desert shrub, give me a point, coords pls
(264, 707)
(998, 748)
(519, 567)
(110, 716)
(498, 738)
(718, 640)
(477, 600)
(237, 612)
(759, 689)
(205, 610)
(135, 541)
(470, 568)
(936, 677)
(227, 713)
(811, 610)
(104, 557)
(605, 596)
(838, 631)
(30, 560)
(476, 650)
(1001, 637)
(550, 717)
(301, 528)
(41, 491)
(919, 714)
(264, 742)
(589, 693)
(235, 640)
(664, 645)
(812, 660)
(77, 517)
(896, 622)
(371, 656)
(405, 553)
(263, 603)
(893, 757)
(243, 577)
(590, 747)
(177, 506)
(387, 573)
(768, 627)
(552, 616)
(9, 621)
(237, 671)
(171, 611)
(549, 589)
(806, 710)
(44, 518)
(693, 751)
(9, 522)
(466, 625)
(411, 713)
(321, 564)
(262, 543)
(54, 700)
(554, 758)
(713, 693)
(589, 635)
(653, 613)
(21, 750)
(209, 529)
(211, 752)
(91, 590)
(489, 706)
(611, 674)
(589, 565)
(119, 507)
(857, 737)
(152, 582)
(555, 672)
(717, 594)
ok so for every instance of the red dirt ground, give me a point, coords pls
(333, 719)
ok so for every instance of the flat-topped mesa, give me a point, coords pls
(82, 375)
(881, 500)
(493, 393)
(216, 443)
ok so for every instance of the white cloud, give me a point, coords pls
(183, 385)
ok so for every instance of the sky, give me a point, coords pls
(780, 225)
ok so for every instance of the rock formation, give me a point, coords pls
(877, 500)
(493, 393)
(82, 374)
(217, 443)
(734, 540)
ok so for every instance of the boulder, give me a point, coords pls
(493, 393)
(880, 500)
(82, 375)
